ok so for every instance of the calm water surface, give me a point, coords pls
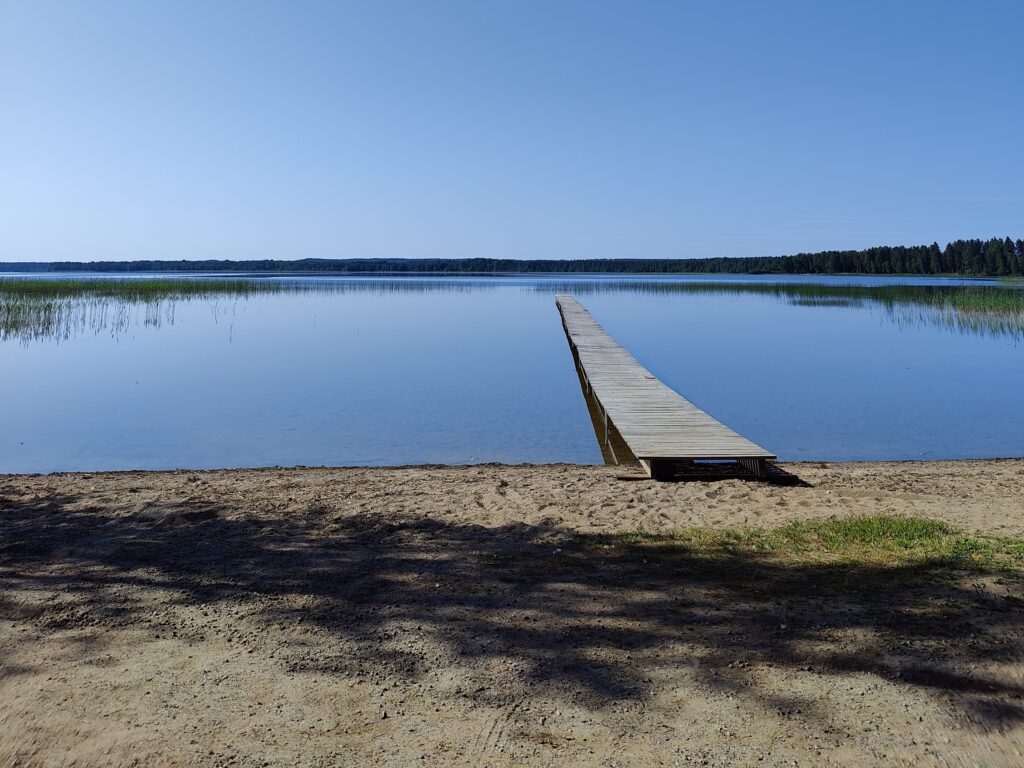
(439, 370)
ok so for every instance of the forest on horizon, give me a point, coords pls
(996, 257)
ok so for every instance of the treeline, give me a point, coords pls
(995, 257)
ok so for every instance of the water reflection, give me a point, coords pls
(62, 319)
(992, 310)
(97, 307)
(286, 370)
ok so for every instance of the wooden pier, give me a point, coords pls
(660, 426)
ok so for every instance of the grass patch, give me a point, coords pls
(863, 541)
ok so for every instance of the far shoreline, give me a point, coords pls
(70, 273)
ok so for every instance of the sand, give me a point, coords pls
(449, 616)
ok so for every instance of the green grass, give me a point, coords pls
(868, 541)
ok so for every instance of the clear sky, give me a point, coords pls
(526, 129)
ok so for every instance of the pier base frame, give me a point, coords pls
(662, 469)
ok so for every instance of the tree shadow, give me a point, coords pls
(585, 617)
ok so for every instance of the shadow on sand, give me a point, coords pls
(583, 616)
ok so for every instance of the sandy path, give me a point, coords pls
(460, 616)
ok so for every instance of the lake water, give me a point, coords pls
(365, 371)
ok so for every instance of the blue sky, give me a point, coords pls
(514, 130)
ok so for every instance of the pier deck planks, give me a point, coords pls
(656, 422)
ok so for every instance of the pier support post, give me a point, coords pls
(757, 467)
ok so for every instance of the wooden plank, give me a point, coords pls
(655, 421)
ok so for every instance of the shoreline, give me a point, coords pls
(625, 467)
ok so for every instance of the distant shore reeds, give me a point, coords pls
(146, 289)
(32, 308)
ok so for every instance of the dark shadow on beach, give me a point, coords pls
(710, 471)
(585, 617)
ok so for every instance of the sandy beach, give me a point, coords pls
(485, 616)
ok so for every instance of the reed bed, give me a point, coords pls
(33, 308)
(996, 310)
(131, 289)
